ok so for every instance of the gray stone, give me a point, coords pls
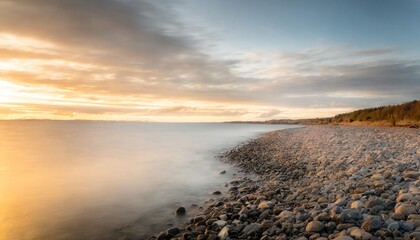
(406, 226)
(373, 202)
(394, 226)
(173, 231)
(350, 216)
(372, 223)
(220, 223)
(251, 228)
(180, 211)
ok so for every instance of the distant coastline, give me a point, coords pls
(401, 115)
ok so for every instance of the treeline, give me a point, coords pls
(406, 112)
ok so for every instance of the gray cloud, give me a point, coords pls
(374, 51)
(270, 113)
(138, 50)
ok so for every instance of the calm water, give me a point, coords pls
(104, 180)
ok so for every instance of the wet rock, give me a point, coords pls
(180, 211)
(173, 231)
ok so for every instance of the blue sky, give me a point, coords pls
(205, 60)
(293, 25)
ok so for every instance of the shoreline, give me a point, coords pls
(318, 182)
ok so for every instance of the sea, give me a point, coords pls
(70, 180)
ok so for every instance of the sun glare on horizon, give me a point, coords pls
(196, 64)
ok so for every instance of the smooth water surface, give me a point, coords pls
(102, 180)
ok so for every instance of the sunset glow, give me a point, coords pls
(141, 67)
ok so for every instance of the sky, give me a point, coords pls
(205, 61)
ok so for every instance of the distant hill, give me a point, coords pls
(402, 114)
(405, 115)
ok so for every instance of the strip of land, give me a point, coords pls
(401, 115)
(318, 182)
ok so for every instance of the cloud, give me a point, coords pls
(133, 57)
(374, 51)
(270, 113)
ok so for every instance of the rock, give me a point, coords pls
(266, 224)
(343, 238)
(216, 193)
(357, 204)
(340, 202)
(173, 231)
(415, 222)
(373, 202)
(180, 211)
(223, 172)
(372, 223)
(285, 214)
(314, 226)
(322, 217)
(405, 209)
(264, 204)
(376, 209)
(314, 183)
(220, 223)
(224, 233)
(394, 226)
(415, 235)
(376, 176)
(162, 236)
(358, 233)
(343, 226)
(398, 216)
(196, 219)
(349, 216)
(405, 197)
(412, 174)
(251, 228)
(406, 226)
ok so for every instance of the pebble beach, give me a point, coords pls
(316, 182)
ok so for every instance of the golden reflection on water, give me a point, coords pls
(82, 180)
